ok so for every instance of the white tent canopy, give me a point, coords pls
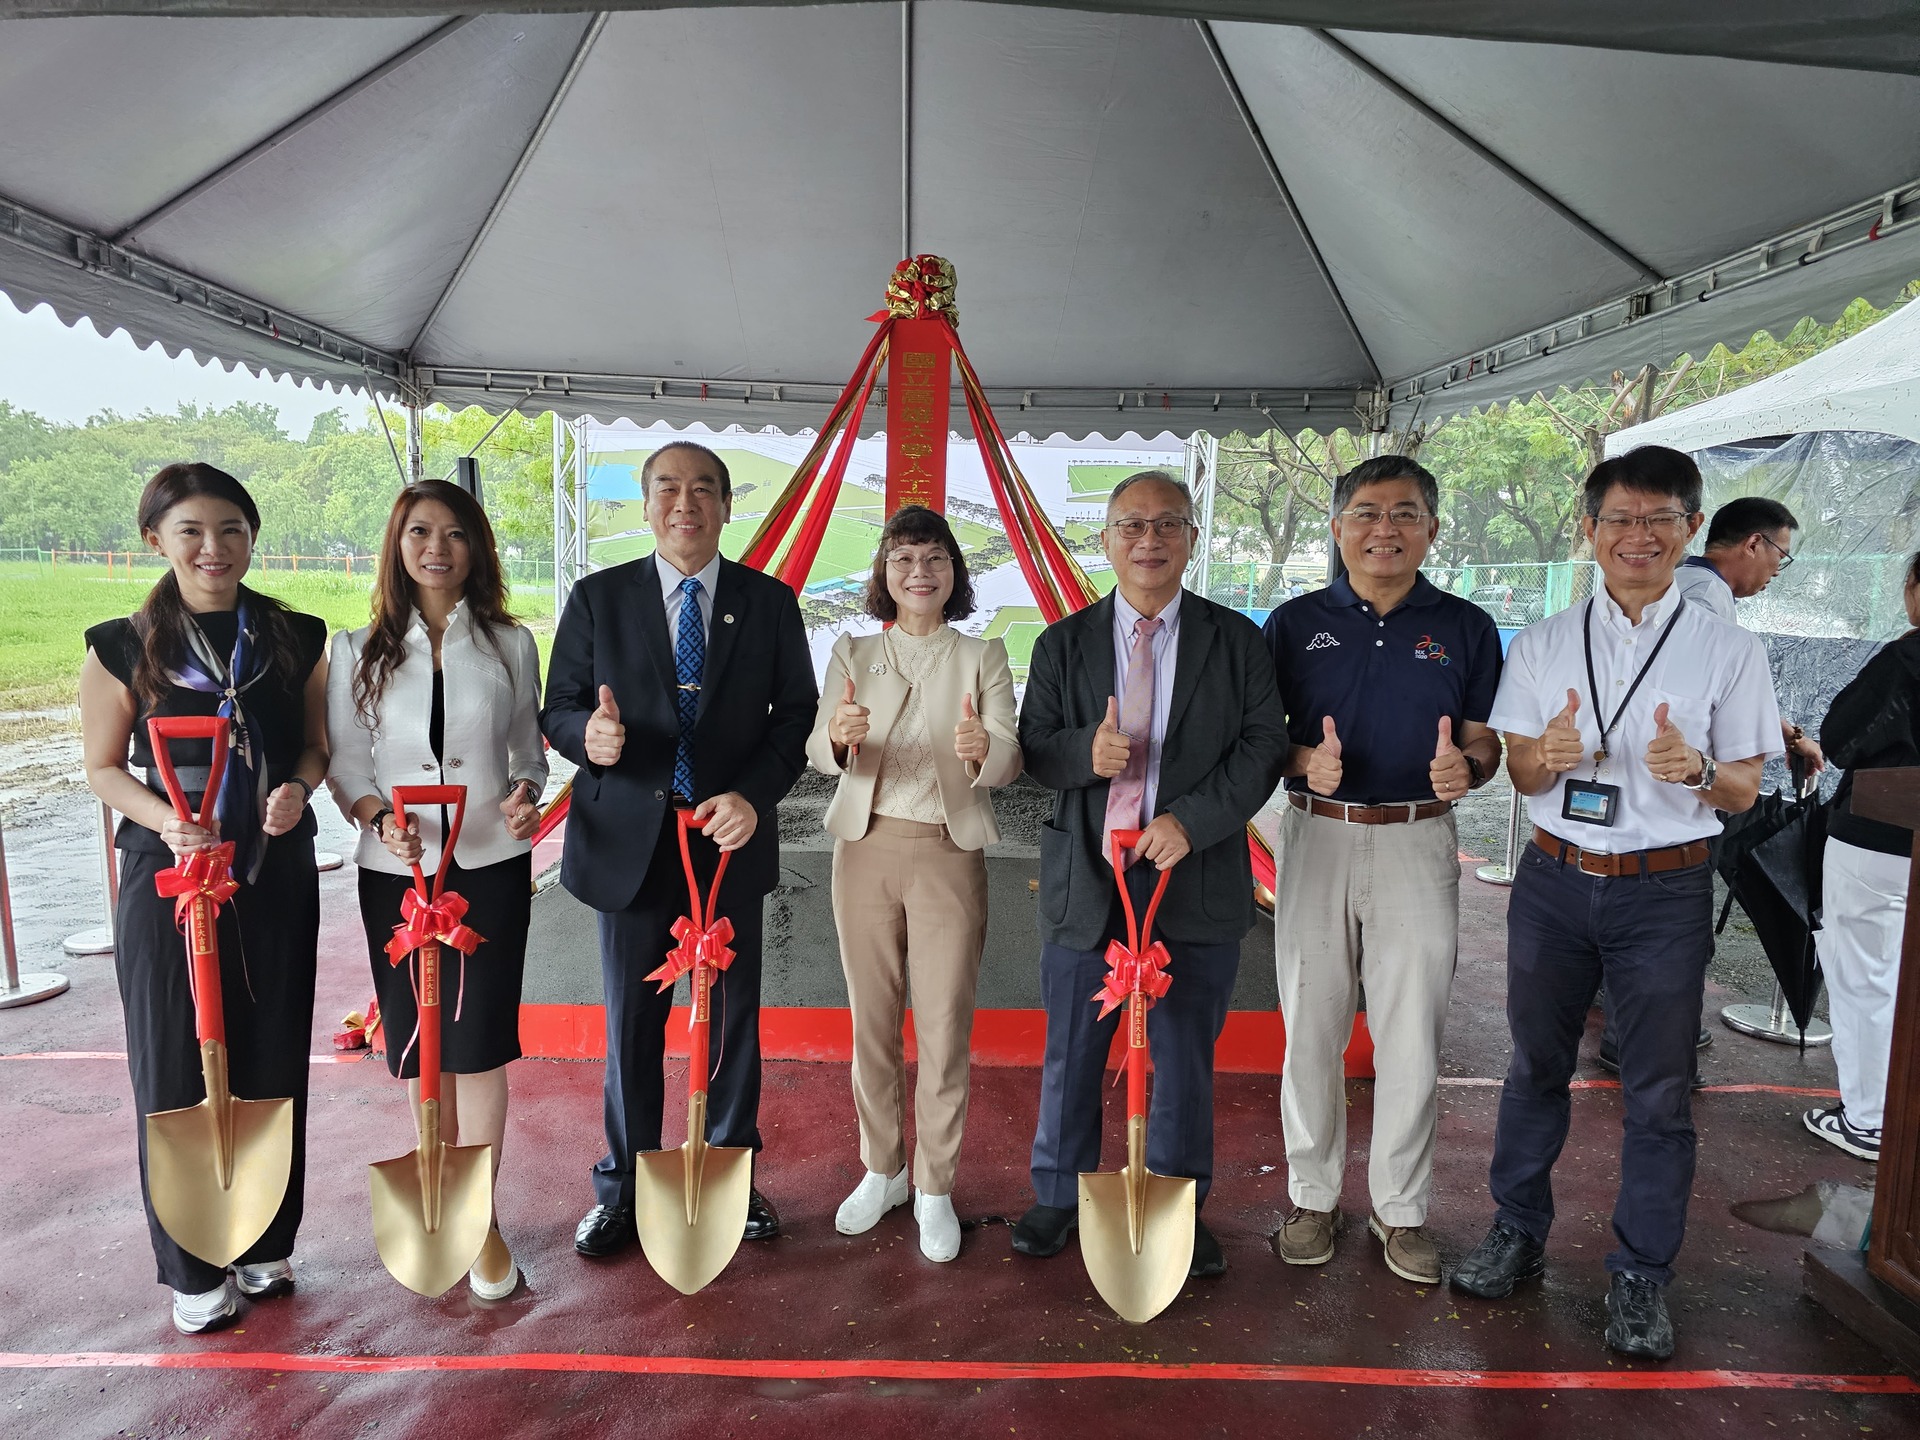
(1214, 216)
(1869, 384)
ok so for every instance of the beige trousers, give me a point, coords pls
(1379, 905)
(911, 908)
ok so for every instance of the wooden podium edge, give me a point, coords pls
(1837, 1281)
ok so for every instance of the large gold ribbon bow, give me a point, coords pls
(436, 922)
(922, 288)
(1148, 969)
(697, 947)
(204, 872)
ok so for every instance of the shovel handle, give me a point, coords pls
(454, 796)
(163, 728)
(701, 980)
(1139, 936)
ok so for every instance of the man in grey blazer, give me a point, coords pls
(1155, 709)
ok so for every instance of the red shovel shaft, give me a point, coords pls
(203, 948)
(700, 982)
(429, 1022)
(454, 796)
(203, 954)
(1139, 936)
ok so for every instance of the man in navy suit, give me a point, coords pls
(678, 678)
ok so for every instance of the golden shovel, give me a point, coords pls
(216, 1172)
(432, 1207)
(1136, 1228)
(690, 1204)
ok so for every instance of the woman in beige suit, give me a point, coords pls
(917, 722)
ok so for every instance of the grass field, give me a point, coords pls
(45, 612)
(1097, 479)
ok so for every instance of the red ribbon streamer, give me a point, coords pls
(424, 923)
(204, 872)
(697, 947)
(1126, 970)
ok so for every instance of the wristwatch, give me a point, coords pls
(1475, 769)
(1707, 771)
(379, 822)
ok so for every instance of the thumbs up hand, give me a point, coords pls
(606, 736)
(1111, 748)
(848, 726)
(970, 737)
(1670, 757)
(1452, 777)
(1560, 747)
(1324, 770)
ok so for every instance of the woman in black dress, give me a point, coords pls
(443, 688)
(204, 644)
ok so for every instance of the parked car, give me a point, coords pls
(1510, 605)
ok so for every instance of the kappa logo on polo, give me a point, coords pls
(1322, 641)
(1431, 649)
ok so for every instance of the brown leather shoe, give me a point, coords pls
(1305, 1237)
(1410, 1254)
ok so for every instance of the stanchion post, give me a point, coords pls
(20, 989)
(1503, 874)
(99, 941)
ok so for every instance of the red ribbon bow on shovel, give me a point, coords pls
(697, 947)
(1125, 968)
(204, 872)
(436, 922)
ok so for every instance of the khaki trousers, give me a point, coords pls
(911, 908)
(1379, 905)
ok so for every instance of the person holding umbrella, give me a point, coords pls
(1630, 721)
(204, 644)
(1873, 724)
(917, 721)
(443, 688)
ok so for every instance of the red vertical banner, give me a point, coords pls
(919, 379)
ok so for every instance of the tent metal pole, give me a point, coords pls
(1526, 182)
(581, 510)
(286, 132)
(416, 445)
(906, 129)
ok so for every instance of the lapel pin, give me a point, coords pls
(876, 669)
(727, 618)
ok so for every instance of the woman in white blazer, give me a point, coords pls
(918, 723)
(443, 688)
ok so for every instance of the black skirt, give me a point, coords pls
(480, 1027)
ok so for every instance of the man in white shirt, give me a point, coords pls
(1630, 720)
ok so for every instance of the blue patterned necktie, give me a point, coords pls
(689, 661)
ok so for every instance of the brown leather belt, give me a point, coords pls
(1369, 814)
(1631, 862)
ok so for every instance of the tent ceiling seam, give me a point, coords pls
(1875, 218)
(539, 133)
(1480, 150)
(182, 198)
(79, 249)
(1286, 196)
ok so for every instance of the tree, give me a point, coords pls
(1511, 481)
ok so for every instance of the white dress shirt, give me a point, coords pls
(670, 595)
(1165, 655)
(1711, 675)
(1704, 586)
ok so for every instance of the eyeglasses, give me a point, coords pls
(936, 563)
(1786, 557)
(1167, 527)
(1401, 517)
(1664, 523)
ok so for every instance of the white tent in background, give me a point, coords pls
(1869, 384)
(1167, 215)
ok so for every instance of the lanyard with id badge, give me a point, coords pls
(1590, 802)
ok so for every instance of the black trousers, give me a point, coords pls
(269, 935)
(1182, 1029)
(635, 941)
(1650, 938)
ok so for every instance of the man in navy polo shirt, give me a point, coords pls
(1388, 682)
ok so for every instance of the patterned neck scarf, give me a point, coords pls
(242, 803)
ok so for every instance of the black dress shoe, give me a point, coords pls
(1505, 1257)
(1043, 1230)
(763, 1221)
(1637, 1320)
(606, 1230)
(1704, 1039)
(1208, 1258)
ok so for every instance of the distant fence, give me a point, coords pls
(1515, 595)
(114, 564)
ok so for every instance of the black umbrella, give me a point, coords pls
(1770, 858)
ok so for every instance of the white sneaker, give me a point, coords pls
(871, 1198)
(500, 1289)
(196, 1314)
(939, 1226)
(272, 1277)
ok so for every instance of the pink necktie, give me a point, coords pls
(1127, 791)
